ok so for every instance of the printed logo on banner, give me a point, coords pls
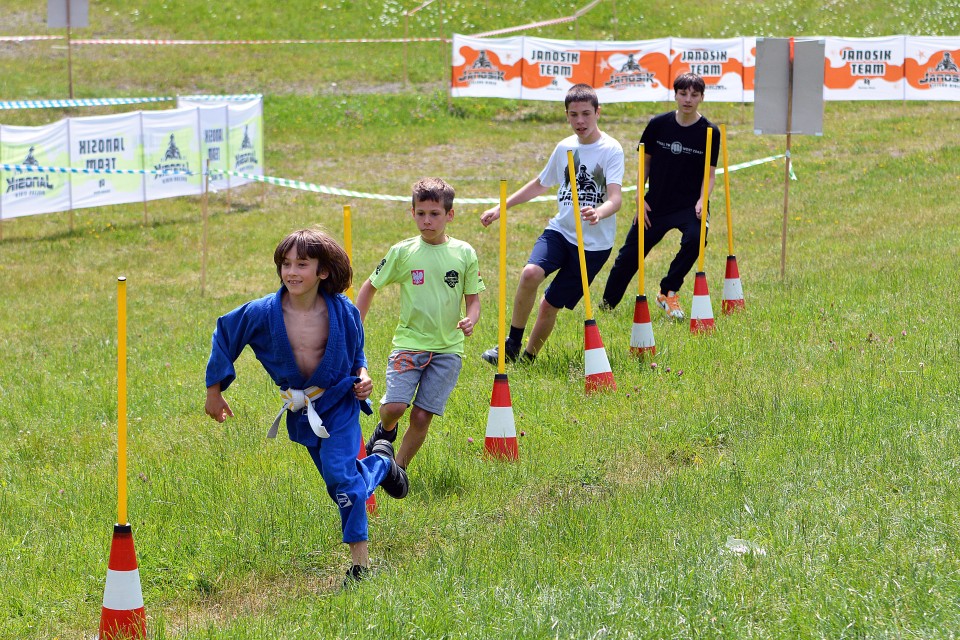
(482, 71)
(867, 63)
(556, 64)
(22, 186)
(631, 74)
(172, 161)
(213, 137)
(706, 63)
(944, 74)
(247, 158)
(95, 146)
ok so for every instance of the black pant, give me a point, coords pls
(626, 264)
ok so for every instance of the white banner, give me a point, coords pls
(214, 147)
(25, 192)
(171, 144)
(632, 71)
(718, 62)
(932, 68)
(245, 142)
(486, 67)
(863, 68)
(106, 142)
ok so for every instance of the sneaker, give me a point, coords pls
(379, 433)
(395, 483)
(510, 352)
(671, 305)
(355, 574)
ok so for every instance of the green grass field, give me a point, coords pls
(791, 475)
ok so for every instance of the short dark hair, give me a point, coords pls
(689, 80)
(581, 93)
(313, 243)
(433, 190)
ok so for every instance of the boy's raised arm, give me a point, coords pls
(525, 193)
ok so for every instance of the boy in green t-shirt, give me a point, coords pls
(435, 273)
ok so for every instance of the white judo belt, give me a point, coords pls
(296, 400)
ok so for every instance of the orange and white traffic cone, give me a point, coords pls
(372, 500)
(701, 312)
(123, 615)
(596, 366)
(501, 440)
(732, 289)
(641, 337)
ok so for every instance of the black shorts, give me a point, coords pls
(552, 252)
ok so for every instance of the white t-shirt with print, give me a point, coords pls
(597, 165)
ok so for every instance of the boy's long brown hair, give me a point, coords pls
(313, 243)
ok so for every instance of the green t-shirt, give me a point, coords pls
(433, 280)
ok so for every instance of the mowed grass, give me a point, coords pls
(816, 429)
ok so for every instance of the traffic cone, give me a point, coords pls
(123, 615)
(501, 440)
(372, 500)
(732, 289)
(701, 312)
(641, 337)
(596, 366)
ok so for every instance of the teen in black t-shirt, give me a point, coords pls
(674, 144)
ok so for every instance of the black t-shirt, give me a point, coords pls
(676, 165)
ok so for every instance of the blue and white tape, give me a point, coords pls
(84, 102)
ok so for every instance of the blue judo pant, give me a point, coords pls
(349, 481)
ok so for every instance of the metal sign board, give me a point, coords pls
(774, 84)
(57, 11)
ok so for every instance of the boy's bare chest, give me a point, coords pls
(307, 333)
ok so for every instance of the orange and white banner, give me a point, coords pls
(749, 67)
(486, 67)
(932, 68)
(632, 71)
(551, 67)
(863, 68)
(718, 62)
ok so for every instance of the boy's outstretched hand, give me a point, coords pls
(216, 406)
(466, 325)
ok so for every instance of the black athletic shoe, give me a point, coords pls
(355, 574)
(379, 433)
(395, 483)
(511, 351)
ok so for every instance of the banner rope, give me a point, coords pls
(30, 168)
(309, 186)
(336, 191)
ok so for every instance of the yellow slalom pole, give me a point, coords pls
(502, 320)
(121, 400)
(348, 243)
(706, 194)
(640, 214)
(726, 188)
(576, 216)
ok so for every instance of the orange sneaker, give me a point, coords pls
(670, 304)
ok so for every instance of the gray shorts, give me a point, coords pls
(431, 375)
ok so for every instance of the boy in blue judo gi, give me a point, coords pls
(309, 338)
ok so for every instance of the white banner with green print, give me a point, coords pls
(131, 157)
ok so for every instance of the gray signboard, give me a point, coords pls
(774, 86)
(57, 14)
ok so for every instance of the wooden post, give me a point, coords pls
(406, 32)
(786, 170)
(203, 248)
(69, 54)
